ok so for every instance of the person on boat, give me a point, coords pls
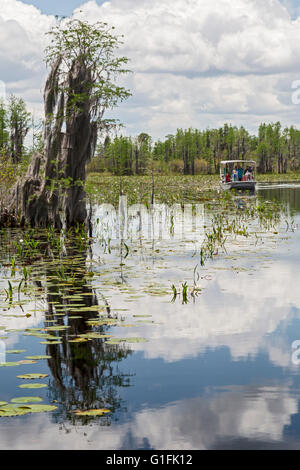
(240, 172)
(234, 175)
(247, 174)
(227, 178)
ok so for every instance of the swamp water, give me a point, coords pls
(169, 348)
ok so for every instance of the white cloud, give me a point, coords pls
(22, 42)
(195, 63)
(242, 308)
(220, 420)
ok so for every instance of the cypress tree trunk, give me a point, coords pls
(52, 191)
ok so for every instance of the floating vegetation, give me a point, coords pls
(15, 351)
(10, 411)
(42, 336)
(56, 328)
(26, 400)
(102, 322)
(33, 386)
(75, 295)
(37, 358)
(39, 408)
(99, 412)
(78, 340)
(127, 340)
(27, 361)
(14, 330)
(50, 342)
(9, 364)
(32, 376)
(135, 340)
(17, 410)
(95, 336)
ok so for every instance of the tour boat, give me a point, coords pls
(238, 174)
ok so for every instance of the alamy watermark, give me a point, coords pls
(180, 222)
(296, 353)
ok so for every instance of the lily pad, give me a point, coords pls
(50, 342)
(27, 361)
(112, 342)
(15, 351)
(136, 340)
(95, 335)
(92, 308)
(36, 358)
(33, 386)
(37, 408)
(10, 410)
(148, 322)
(56, 328)
(32, 376)
(34, 329)
(127, 340)
(26, 400)
(99, 412)
(41, 335)
(102, 322)
(13, 330)
(115, 340)
(9, 364)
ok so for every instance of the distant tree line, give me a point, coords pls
(188, 151)
(193, 151)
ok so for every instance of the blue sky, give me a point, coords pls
(66, 7)
(192, 66)
(293, 7)
(57, 7)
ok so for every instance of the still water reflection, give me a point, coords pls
(214, 373)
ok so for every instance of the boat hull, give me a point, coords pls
(239, 186)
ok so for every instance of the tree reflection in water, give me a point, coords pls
(84, 375)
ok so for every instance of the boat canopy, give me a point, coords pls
(224, 162)
(227, 166)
